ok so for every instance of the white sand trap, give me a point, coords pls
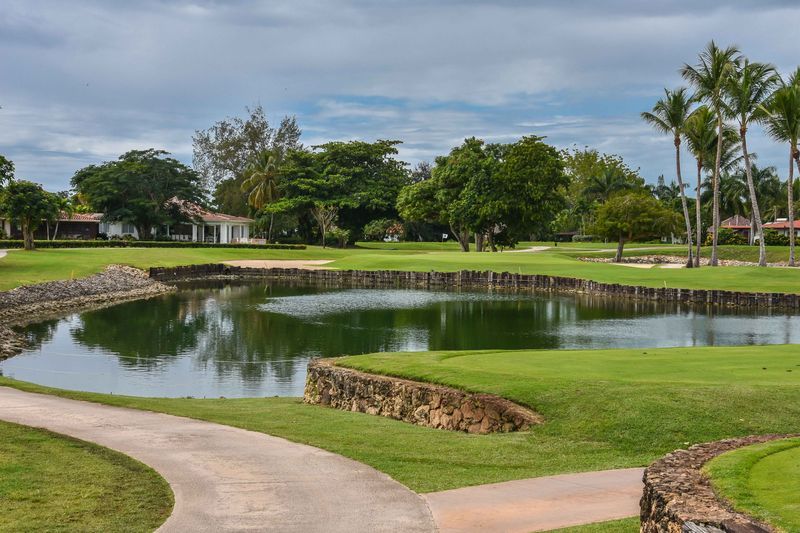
(531, 249)
(307, 264)
(634, 265)
(672, 265)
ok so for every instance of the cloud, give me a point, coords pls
(86, 80)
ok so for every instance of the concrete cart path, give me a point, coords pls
(539, 504)
(229, 479)
(3, 253)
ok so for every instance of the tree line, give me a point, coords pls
(730, 94)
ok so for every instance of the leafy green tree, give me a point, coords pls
(137, 189)
(530, 190)
(223, 152)
(261, 184)
(505, 192)
(745, 93)
(593, 178)
(6, 170)
(783, 124)
(633, 215)
(669, 116)
(709, 77)
(30, 205)
(360, 180)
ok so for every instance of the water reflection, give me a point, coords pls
(245, 339)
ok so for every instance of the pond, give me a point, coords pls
(250, 339)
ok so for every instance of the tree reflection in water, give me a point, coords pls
(251, 339)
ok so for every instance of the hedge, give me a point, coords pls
(6, 243)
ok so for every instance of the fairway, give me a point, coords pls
(603, 409)
(762, 480)
(21, 268)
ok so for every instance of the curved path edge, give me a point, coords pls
(230, 479)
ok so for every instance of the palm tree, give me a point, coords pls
(768, 189)
(669, 115)
(709, 78)
(783, 125)
(610, 181)
(745, 93)
(701, 138)
(261, 183)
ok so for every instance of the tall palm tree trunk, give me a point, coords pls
(697, 213)
(755, 212)
(790, 194)
(715, 222)
(689, 262)
(271, 220)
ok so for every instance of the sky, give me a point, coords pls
(84, 81)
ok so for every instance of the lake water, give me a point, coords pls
(255, 339)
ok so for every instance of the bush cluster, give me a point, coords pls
(146, 244)
(726, 236)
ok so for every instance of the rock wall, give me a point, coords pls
(30, 303)
(678, 496)
(475, 279)
(418, 403)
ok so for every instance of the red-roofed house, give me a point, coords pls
(207, 226)
(738, 224)
(781, 225)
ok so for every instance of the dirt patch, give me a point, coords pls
(307, 264)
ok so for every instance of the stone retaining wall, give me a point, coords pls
(488, 279)
(678, 496)
(423, 404)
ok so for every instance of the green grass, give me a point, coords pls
(50, 482)
(603, 409)
(627, 525)
(20, 267)
(762, 480)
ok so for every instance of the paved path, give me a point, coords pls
(3, 253)
(539, 504)
(228, 479)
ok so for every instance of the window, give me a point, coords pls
(127, 229)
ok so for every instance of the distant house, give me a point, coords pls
(207, 226)
(738, 224)
(781, 225)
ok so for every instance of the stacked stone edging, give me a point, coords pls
(678, 496)
(488, 279)
(30, 303)
(424, 404)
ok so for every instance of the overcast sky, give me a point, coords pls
(83, 81)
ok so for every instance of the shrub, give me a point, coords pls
(375, 230)
(774, 238)
(726, 236)
(146, 244)
(341, 236)
(584, 238)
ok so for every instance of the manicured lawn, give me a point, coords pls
(20, 267)
(762, 480)
(603, 409)
(50, 482)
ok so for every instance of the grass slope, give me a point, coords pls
(762, 480)
(50, 482)
(20, 267)
(627, 525)
(603, 409)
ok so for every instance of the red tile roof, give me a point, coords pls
(782, 224)
(63, 216)
(195, 211)
(736, 222)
